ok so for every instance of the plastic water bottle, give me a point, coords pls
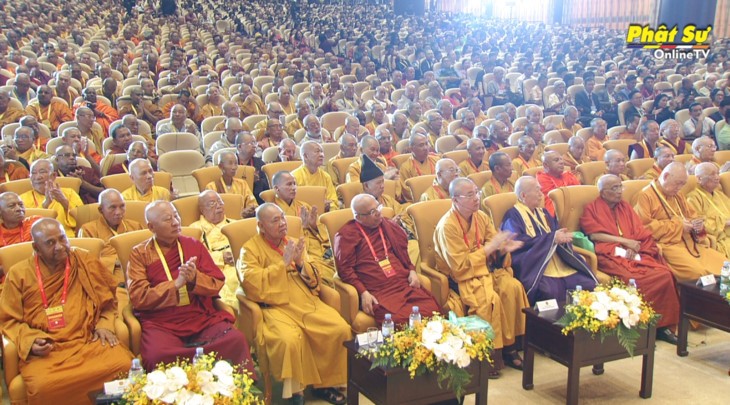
(135, 371)
(198, 354)
(725, 278)
(388, 326)
(578, 289)
(632, 284)
(414, 318)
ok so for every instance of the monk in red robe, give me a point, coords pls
(554, 176)
(15, 227)
(620, 238)
(371, 253)
(172, 284)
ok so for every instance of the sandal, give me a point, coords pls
(513, 359)
(331, 395)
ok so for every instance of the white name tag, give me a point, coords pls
(362, 339)
(621, 252)
(116, 387)
(707, 280)
(547, 305)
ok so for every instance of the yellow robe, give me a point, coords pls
(217, 244)
(34, 199)
(435, 192)
(100, 229)
(653, 173)
(305, 178)
(154, 194)
(594, 149)
(238, 186)
(412, 168)
(301, 335)
(486, 284)
(519, 165)
(33, 154)
(468, 167)
(715, 208)
(687, 259)
(493, 186)
(332, 171)
(353, 171)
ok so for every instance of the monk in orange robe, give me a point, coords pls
(104, 114)
(10, 171)
(553, 177)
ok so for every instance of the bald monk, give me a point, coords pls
(229, 184)
(372, 255)
(703, 149)
(418, 164)
(612, 223)
(527, 158)
(143, 184)
(476, 162)
(370, 147)
(173, 283)
(553, 176)
(310, 173)
(10, 171)
(25, 146)
(76, 351)
(663, 155)
(318, 243)
(676, 227)
(48, 111)
(45, 193)
(111, 223)
(302, 335)
(15, 226)
(503, 178)
(615, 164)
(575, 155)
(446, 172)
(212, 219)
(709, 199)
(594, 144)
(477, 260)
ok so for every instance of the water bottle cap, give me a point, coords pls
(388, 316)
(199, 350)
(135, 362)
(415, 308)
(578, 288)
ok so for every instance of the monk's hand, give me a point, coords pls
(511, 245)
(630, 254)
(634, 245)
(248, 212)
(312, 224)
(191, 269)
(304, 216)
(367, 301)
(391, 174)
(228, 258)
(41, 347)
(105, 336)
(327, 206)
(298, 257)
(698, 224)
(564, 236)
(289, 250)
(413, 279)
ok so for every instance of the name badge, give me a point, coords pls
(387, 267)
(547, 305)
(55, 317)
(184, 298)
(707, 280)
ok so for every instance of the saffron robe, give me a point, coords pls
(357, 266)
(110, 113)
(594, 149)
(571, 162)
(168, 329)
(652, 275)
(217, 244)
(688, 259)
(301, 337)
(653, 173)
(320, 178)
(154, 194)
(100, 229)
(52, 115)
(715, 208)
(75, 366)
(34, 199)
(679, 149)
(484, 285)
(412, 168)
(468, 167)
(238, 186)
(435, 192)
(18, 234)
(549, 182)
(642, 150)
(32, 154)
(14, 172)
(519, 164)
(493, 186)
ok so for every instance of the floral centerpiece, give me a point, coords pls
(434, 345)
(207, 382)
(727, 296)
(611, 309)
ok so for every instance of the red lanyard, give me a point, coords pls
(496, 185)
(477, 240)
(418, 170)
(370, 245)
(440, 192)
(43, 290)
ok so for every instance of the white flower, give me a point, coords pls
(600, 309)
(197, 399)
(454, 343)
(176, 376)
(156, 377)
(222, 368)
(183, 396)
(154, 391)
(169, 396)
(226, 381)
(462, 358)
(433, 332)
(630, 320)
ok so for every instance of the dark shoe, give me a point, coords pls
(667, 335)
(297, 400)
(493, 374)
(331, 395)
(513, 359)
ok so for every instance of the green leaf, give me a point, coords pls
(627, 338)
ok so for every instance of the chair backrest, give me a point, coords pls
(122, 181)
(333, 120)
(312, 195)
(720, 156)
(21, 186)
(180, 164)
(426, 215)
(341, 165)
(561, 148)
(187, 207)
(418, 185)
(725, 182)
(637, 167)
(90, 212)
(632, 189)
(497, 205)
(13, 254)
(569, 203)
(446, 144)
(588, 172)
(239, 232)
(270, 169)
(621, 145)
(480, 178)
(41, 212)
(124, 243)
(511, 151)
(175, 141)
(690, 185)
(205, 175)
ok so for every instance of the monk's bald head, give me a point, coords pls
(12, 209)
(271, 222)
(267, 210)
(708, 176)
(366, 210)
(673, 178)
(607, 180)
(211, 206)
(163, 220)
(112, 207)
(50, 242)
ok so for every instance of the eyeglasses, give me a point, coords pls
(471, 196)
(213, 204)
(377, 209)
(451, 170)
(617, 188)
(67, 155)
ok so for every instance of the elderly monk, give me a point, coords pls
(503, 179)
(58, 307)
(45, 193)
(553, 176)
(420, 162)
(67, 166)
(663, 155)
(10, 171)
(709, 199)
(136, 150)
(372, 254)
(526, 158)
(245, 152)
(143, 184)
(670, 131)
(703, 149)
(302, 336)
(370, 147)
(8, 114)
(72, 137)
(626, 249)
(545, 264)
(310, 173)
(348, 149)
(212, 219)
(676, 227)
(446, 172)
(477, 260)
(111, 223)
(475, 163)
(575, 155)
(615, 164)
(594, 144)
(25, 139)
(48, 111)
(318, 243)
(173, 283)
(649, 132)
(229, 184)
(15, 226)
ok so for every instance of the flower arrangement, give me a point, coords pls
(727, 296)
(611, 309)
(207, 382)
(434, 345)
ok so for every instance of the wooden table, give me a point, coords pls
(395, 386)
(702, 304)
(579, 349)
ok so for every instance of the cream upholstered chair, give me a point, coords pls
(187, 208)
(725, 182)
(41, 212)
(480, 178)
(347, 191)
(180, 164)
(458, 156)
(446, 144)
(637, 167)
(632, 189)
(497, 205)
(122, 181)
(590, 171)
(21, 186)
(419, 184)
(270, 169)
(622, 145)
(561, 148)
(333, 120)
(90, 212)
(176, 141)
(511, 151)
(312, 195)
(205, 175)
(340, 166)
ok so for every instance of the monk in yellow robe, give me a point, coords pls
(229, 184)
(64, 358)
(527, 158)
(419, 164)
(370, 147)
(575, 155)
(663, 155)
(477, 258)
(476, 162)
(446, 171)
(47, 194)
(143, 184)
(594, 144)
(676, 226)
(301, 336)
(709, 199)
(212, 219)
(310, 173)
(348, 149)
(503, 178)
(49, 112)
(8, 115)
(25, 148)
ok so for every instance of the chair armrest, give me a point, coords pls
(350, 300)
(439, 284)
(135, 329)
(425, 282)
(592, 261)
(330, 297)
(11, 360)
(122, 332)
(250, 319)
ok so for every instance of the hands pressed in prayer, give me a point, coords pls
(187, 273)
(105, 336)
(41, 347)
(687, 226)
(413, 279)
(564, 236)
(367, 301)
(503, 241)
(698, 224)
(309, 218)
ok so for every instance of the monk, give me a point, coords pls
(553, 176)
(663, 155)
(212, 219)
(709, 199)
(615, 164)
(10, 171)
(8, 114)
(48, 111)
(503, 179)
(229, 184)
(477, 260)
(649, 132)
(310, 173)
(348, 149)
(67, 166)
(45, 193)
(420, 162)
(670, 131)
(172, 283)
(575, 155)
(382, 273)
(545, 264)
(15, 226)
(446, 172)
(370, 147)
(676, 227)
(143, 187)
(476, 162)
(526, 159)
(594, 144)
(301, 336)
(703, 149)
(26, 151)
(75, 351)
(620, 239)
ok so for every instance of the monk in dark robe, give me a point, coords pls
(612, 223)
(360, 252)
(172, 283)
(545, 264)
